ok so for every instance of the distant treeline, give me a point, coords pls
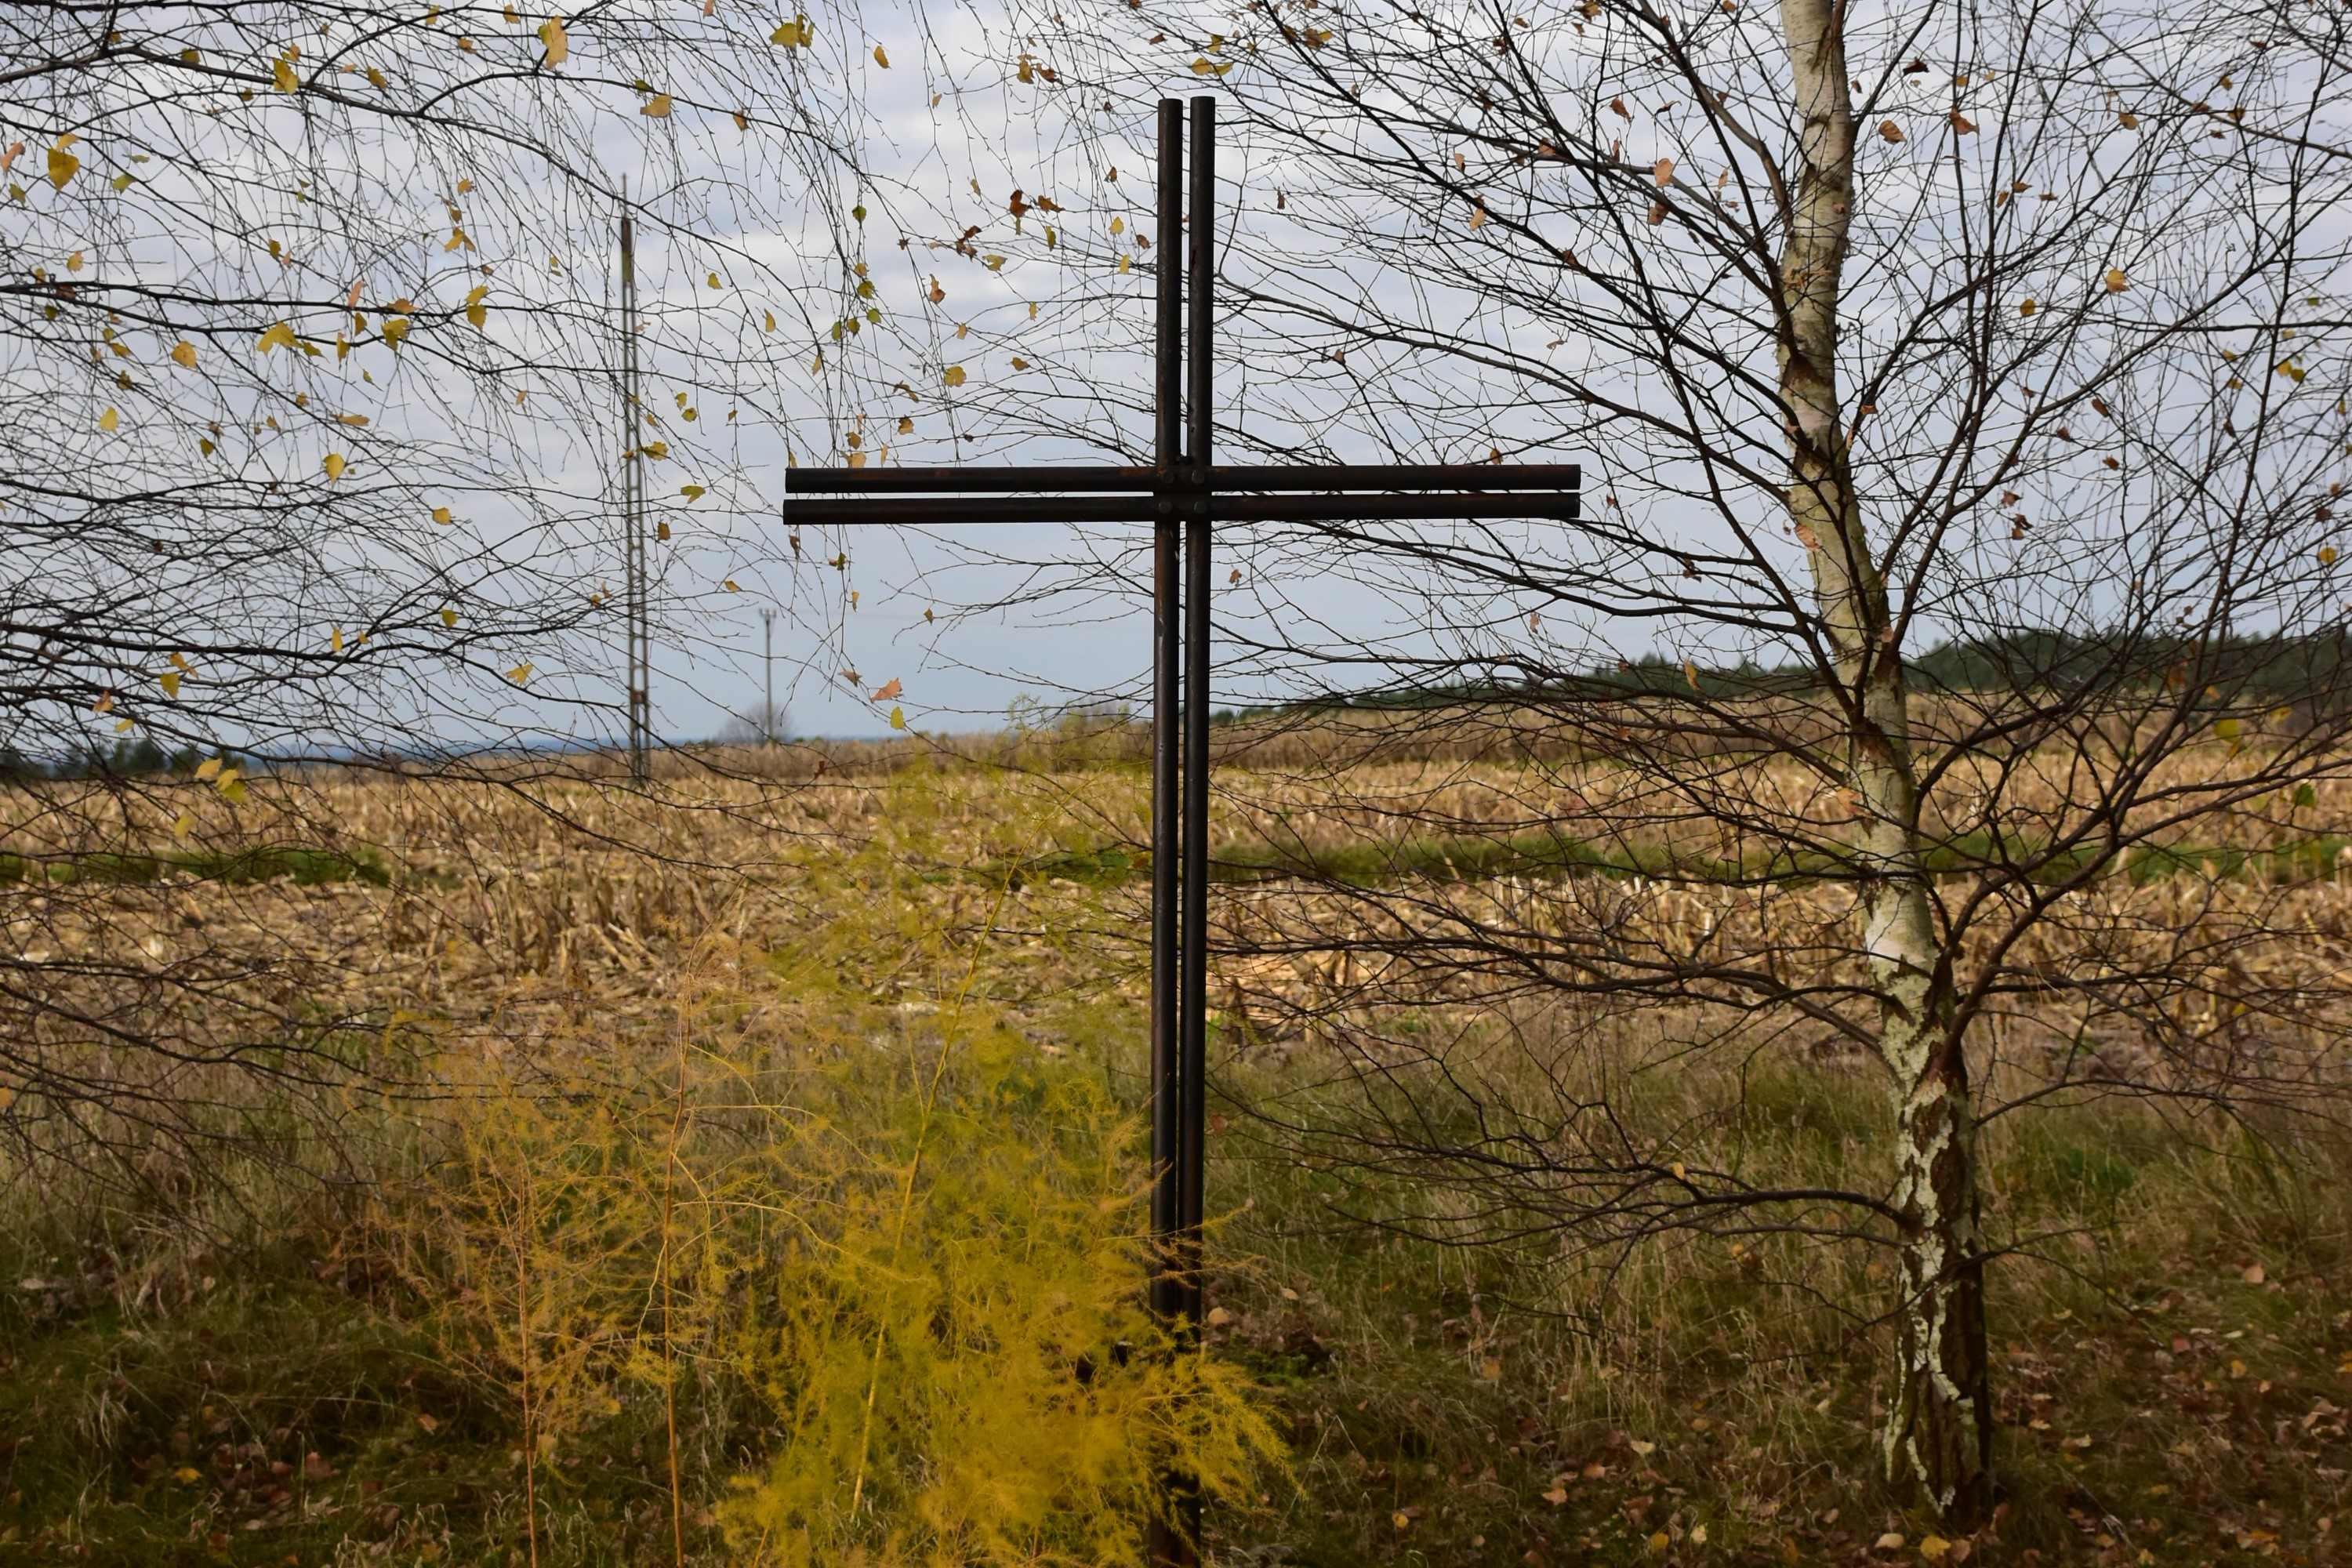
(124, 759)
(2308, 668)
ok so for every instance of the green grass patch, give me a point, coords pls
(1465, 859)
(262, 863)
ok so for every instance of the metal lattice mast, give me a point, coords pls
(768, 666)
(633, 512)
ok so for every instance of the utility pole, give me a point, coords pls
(633, 512)
(768, 663)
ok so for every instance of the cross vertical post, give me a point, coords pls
(1193, 939)
(1193, 943)
(1169, 1534)
(1166, 738)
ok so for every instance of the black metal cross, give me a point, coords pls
(1183, 497)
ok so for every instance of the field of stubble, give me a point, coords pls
(502, 1266)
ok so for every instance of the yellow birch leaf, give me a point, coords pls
(557, 42)
(396, 327)
(208, 770)
(351, 418)
(448, 616)
(109, 419)
(441, 515)
(955, 375)
(182, 825)
(2116, 281)
(170, 681)
(691, 493)
(334, 467)
(123, 725)
(898, 718)
(62, 165)
(280, 336)
(657, 108)
(2327, 555)
(105, 703)
(793, 34)
(880, 58)
(334, 639)
(183, 352)
(232, 788)
(732, 587)
(519, 674)
(282, 73)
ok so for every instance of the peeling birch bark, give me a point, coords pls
(1937, 1441)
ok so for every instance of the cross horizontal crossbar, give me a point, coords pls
(1068, 480)
(917, 511)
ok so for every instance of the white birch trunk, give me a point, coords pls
(1937, 1436)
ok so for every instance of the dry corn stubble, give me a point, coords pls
(564, 991)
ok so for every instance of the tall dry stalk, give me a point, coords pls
(666, 1266)
(523, 1340)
